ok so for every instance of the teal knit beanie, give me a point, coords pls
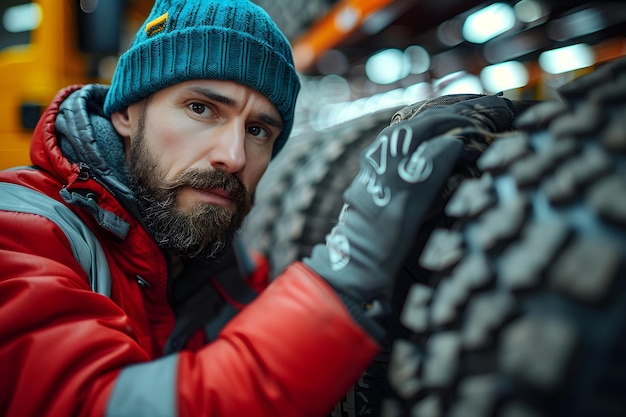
(231, 40)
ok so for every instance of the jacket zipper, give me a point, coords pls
(83, 174)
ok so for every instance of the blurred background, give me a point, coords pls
(355, 57)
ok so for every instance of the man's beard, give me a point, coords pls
(203, 231)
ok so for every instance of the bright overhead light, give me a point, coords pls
(459, 82)
(568, 58)
(387, 66)
(347, 18)
(504, 76)
(529, 11)
(488, 23)
(22, 18)
(419, 59)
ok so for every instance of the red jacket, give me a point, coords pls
(68, 351)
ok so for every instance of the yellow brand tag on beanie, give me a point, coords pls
(156, 26)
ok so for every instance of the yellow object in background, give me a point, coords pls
(46, 45)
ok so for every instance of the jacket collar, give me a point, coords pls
(87, 137)
(75, 141)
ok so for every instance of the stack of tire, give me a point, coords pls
(512, 301)
(523, 312)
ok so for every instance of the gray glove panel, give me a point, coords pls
(401, 174)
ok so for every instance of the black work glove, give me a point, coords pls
(401, 174)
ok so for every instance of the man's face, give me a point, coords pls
(198, 151)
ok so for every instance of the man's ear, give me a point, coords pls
(122, 123)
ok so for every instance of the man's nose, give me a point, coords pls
(228, 152)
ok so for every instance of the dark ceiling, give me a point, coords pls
(407, 22)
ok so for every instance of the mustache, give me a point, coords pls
(209, 180)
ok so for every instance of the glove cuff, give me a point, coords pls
(369, 324)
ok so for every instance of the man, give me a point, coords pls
(161, 169)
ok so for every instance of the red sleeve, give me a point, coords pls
(61, 345)
(295, 351)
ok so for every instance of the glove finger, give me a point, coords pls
(493, 113)
(412, 110)
(422, 173)
(405, 137)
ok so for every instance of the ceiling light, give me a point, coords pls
(504, 76)
(387, 66)
(568, 58)
(529, 11)
(419, 59)
(488, 23)
(22, 18)
(459, 82)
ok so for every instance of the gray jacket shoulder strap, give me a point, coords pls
(85, 245)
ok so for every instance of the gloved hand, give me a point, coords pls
(401, 173)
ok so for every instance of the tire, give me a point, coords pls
(523, 309)
(299, 198)
(300, 194)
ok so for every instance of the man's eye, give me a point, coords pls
(258, 132)
(198, 108)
